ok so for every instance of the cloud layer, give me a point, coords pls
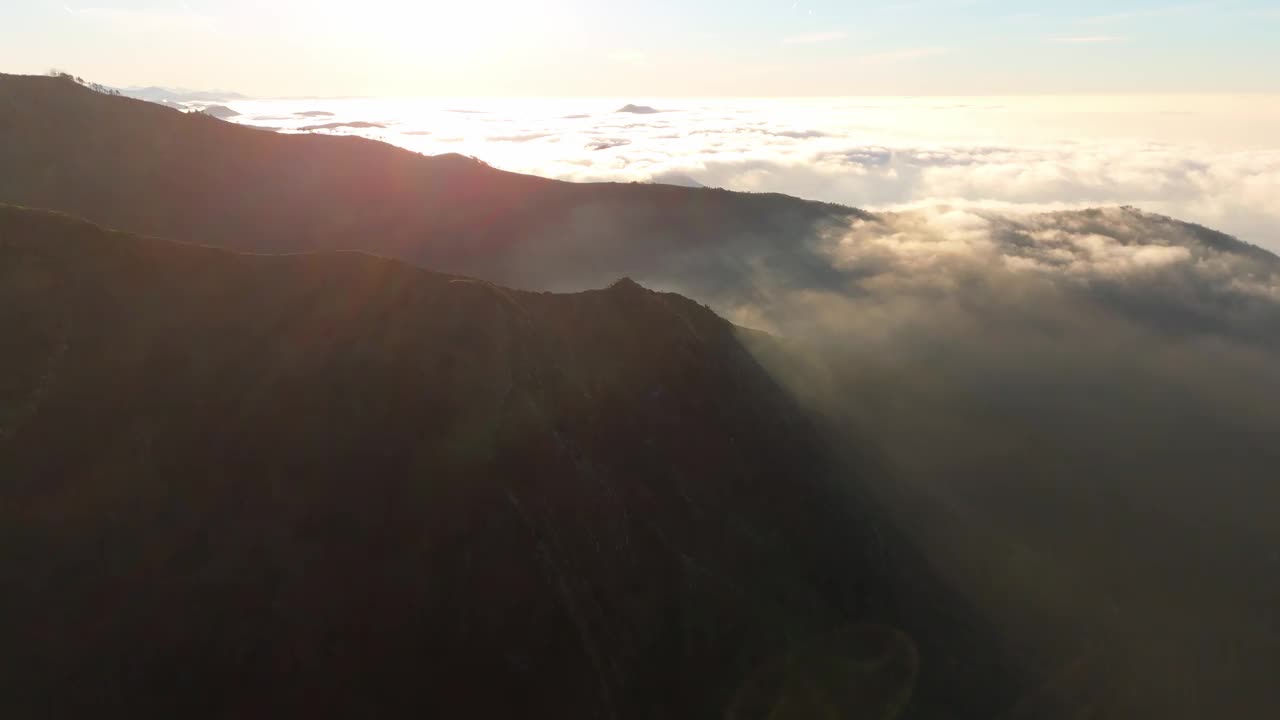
(1215, 161)
(1072, 413)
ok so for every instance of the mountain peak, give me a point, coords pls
(626, 284)
(510, 449)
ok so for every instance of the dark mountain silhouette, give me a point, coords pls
(172, 96)
(674, 178)
(145, 169)
(1070, 415)
(222, 112)
(328, 484)
(638, 109)
(358, 124)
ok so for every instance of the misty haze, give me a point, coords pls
(810, 360)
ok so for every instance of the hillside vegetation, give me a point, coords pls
(333, 484)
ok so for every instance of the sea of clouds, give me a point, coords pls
(1072, 412)
(1212, 160)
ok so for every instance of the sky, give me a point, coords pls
(667, 48)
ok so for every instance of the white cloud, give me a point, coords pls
(879, 153)
(938, 238)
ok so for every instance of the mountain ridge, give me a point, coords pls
(147, 169)
(243, 484)
(989, 383)
(163, 320)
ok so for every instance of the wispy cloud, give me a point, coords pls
(1087, 39)
(816, 38)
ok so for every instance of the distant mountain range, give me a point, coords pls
(167, 96)
(638, 109)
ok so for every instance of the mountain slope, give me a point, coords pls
(1071, 414)
(249, 486)
(148, 169)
